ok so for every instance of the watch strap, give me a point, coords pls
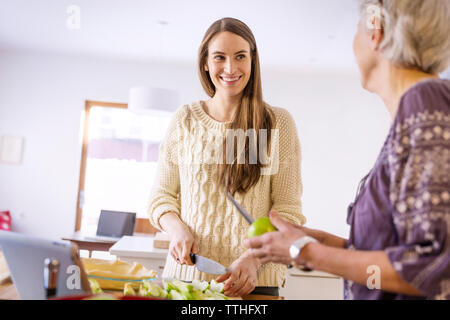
(297, 246)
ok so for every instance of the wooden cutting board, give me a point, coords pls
(5, 276)
(161, 241)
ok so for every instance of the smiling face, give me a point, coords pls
(229, 63)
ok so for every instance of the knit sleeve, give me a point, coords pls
(164, 196)
(286, 182)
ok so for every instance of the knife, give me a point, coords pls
(207, 265)
(241, 210)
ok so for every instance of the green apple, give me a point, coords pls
(259, 227)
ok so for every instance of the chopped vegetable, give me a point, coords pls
(128, 289)
(184, 288)
(200, 285)
(179, 290)
(215, 295)
(95, 286)
(175, 295)
(149, 289)
(217, 287)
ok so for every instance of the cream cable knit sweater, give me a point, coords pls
(186, 183)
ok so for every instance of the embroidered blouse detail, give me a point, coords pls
(404, 208)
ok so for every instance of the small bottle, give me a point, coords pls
(51, 269)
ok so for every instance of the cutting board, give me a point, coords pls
(5, 276)
(161, 241)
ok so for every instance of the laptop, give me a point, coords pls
(26, 257)
(113, 225)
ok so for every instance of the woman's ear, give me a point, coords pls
(206, 68)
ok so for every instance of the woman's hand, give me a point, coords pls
(182, 242)
(241, 279)
(274, 246)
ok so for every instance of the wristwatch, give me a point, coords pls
(296, 248)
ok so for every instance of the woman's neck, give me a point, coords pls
(391, 82)
(222, 108)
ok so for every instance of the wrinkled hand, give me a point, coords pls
(274, 246)
(182, 243)
(241, 279)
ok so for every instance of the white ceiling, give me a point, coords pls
(289, 33)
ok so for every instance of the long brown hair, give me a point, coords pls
(251, 114)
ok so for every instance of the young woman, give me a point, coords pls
(197, 167)
(399, 244)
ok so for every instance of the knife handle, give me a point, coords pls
(192, 256)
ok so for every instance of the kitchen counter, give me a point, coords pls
(300, 285)
(137, 247)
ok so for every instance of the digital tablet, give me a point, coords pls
(26, 258)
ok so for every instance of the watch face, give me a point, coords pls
(293, 251)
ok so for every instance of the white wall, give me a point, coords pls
(42, 96)
(341, 128)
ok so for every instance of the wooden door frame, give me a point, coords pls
(142, 224)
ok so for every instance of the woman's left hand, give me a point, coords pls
(274, 246)
(241, 279)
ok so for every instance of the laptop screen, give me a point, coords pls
(116, 223)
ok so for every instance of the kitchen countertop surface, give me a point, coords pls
(137, 247)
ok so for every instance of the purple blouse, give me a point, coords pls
(403, 207)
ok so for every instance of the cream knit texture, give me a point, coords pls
(186, 183)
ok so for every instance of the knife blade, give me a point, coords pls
(241, 210)
(207, 265)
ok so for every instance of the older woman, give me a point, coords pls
(399, 244)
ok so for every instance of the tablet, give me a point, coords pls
(116, 224)
(25, 257)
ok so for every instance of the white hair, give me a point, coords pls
(416, 33)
